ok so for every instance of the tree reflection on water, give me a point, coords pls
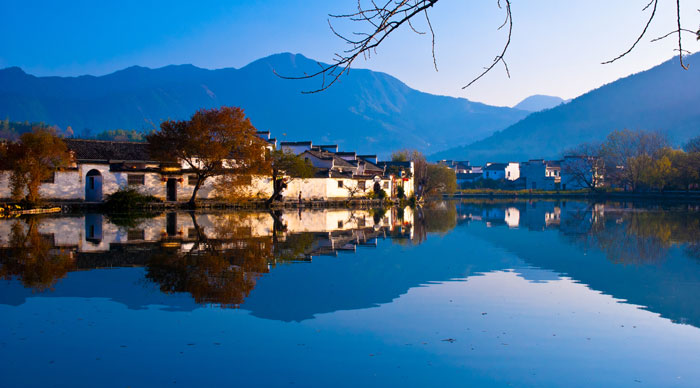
(218, 258)
(630, 236)
(33, 258)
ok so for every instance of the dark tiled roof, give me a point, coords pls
(108, 150)
(369, 166)
(337, 161)
(319, 154)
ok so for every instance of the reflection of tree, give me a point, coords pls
(434, 217)
(440, 217)
(221, 270)
(639, 237)
(209, 276)
(32, 258)
(224, 269)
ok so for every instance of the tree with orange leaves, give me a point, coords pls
(212, 142)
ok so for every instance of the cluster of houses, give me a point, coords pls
(535, 174)
(102, 167)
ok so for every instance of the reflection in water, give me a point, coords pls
(33, 257)
(491, 293)
(219, 258)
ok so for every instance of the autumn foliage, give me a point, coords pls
(212, 142)
(34, 158)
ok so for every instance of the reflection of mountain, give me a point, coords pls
(631, 254)
(659, 276)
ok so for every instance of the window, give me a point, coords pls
(135, 234)
(340, 224)
(49, 179)
(361, 185)
(386, 185)
(340, 184)
(135, 179)
(192, 180)
(92, 182)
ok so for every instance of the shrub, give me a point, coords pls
(379, 194)
(128, 198)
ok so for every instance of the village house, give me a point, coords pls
(498, 171)
(541, 175)
(460, 166)
(100, 168)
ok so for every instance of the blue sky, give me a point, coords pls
(557, 45)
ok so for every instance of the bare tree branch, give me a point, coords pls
(387, 16)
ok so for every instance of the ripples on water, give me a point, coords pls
(480, 293)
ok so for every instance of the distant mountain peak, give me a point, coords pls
(539, 102)
(13, 71)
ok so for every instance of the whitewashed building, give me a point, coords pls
(100, 168)
(541, 174)
(497, 171)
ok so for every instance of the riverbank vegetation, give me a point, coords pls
(640, 161)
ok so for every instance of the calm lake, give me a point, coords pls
(470, 293)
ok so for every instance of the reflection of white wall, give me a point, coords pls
(73, 231)
(512, 217)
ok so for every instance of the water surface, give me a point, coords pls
(495, 293)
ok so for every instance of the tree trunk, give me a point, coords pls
(192, 204)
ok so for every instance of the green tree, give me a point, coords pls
(440, 179)
(212, 142)
(285, 166)
(420, 169)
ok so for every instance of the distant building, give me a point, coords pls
(497, 171)
(460, 166)
(541, 175)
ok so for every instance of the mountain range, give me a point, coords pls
(366, 111)
(664, 98)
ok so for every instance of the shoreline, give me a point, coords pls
(58, 206)
(692, 196)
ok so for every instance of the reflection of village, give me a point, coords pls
(625, 232)
(333, 229)
(218, 257)
(215, 256)
(569, 217)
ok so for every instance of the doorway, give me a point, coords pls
(93, 186)
(172, 190)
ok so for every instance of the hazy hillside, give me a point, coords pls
(538, 102)
(664, 98)
(367, 111)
